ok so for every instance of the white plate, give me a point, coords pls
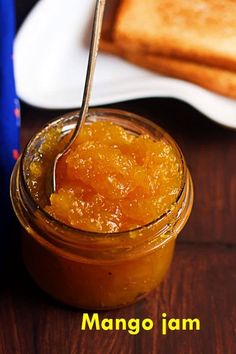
(50, 64)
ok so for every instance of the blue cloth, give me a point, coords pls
(9, 123)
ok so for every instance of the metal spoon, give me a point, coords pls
(95, 37)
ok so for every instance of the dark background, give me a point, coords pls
(201, 281)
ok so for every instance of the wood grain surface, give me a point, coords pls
(202, 278)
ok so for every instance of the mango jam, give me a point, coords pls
(125, 192)
(111, 180)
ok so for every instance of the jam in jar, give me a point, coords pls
(106, 237)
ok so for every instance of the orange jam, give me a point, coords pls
(106, 237)
(111, 180)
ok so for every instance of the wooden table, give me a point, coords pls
(200, 283)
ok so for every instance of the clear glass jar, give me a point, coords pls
(96, 270)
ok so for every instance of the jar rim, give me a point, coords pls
(100, 112)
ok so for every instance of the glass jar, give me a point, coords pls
(97, 270)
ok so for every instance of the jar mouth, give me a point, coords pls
(99, 113)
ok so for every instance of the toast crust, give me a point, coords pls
(218, 80)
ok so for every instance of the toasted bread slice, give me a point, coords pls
(201, 30)
(215, 79)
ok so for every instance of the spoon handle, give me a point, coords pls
(94, 45)
(95, 37)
